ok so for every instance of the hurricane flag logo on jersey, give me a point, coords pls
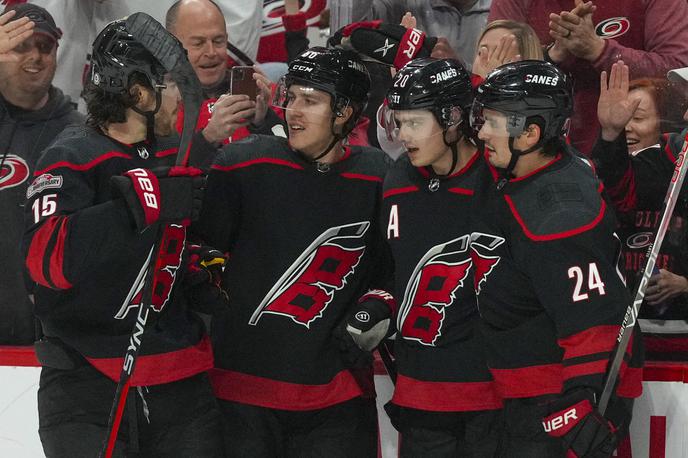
(432, 288)
(308, 286)
(14, 171)
(484, 263)
(168, 262)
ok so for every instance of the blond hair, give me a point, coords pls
(529, 45)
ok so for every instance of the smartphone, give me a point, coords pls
(241, 81)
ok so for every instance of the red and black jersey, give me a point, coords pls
(637, 186)
(439, 351)
(550, 292)
(304, 246)
(85, 255)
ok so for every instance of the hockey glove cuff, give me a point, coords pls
(369, 322)
(164, 195)
(583, 430)
(203, 279)
(389, 44)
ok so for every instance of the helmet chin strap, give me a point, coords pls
(455, 157)
(150, 119)
(507, 174)
(335, 139)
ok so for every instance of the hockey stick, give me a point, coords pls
(631, 316)
(170, 53)
(387, 361)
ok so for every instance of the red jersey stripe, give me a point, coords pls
(265, 160)
(598, 339)
(445, 396)
(82, 167)
(275, 394)
(360, 176)
(526, 382)
(57, 258)
(396, 191)
(37, 250)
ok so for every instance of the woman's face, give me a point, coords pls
(489, 43)
(643, 129)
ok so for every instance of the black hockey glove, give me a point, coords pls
(365, 327)
(390, 44)
(167, 195)
(203, 279)
(580, 426)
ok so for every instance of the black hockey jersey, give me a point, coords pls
(549, 290)
(439, 352)
(86, 258)
(303, 241)
(637, 186)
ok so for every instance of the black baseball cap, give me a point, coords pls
(45, 23)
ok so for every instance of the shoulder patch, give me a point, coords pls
(558, 204)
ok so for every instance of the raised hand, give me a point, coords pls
(12, 33)
(505, 52)
(614, 108)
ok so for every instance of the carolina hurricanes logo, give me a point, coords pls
(308, 286)
(484, 263)
(14, 171)
(431, 289)
(613, 27)
(167, 264)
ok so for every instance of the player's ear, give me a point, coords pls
(531, 135)
(343, 115)
(143, 97)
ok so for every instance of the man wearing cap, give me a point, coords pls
(32, 113)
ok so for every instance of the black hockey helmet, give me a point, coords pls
(438, 85)
(117, 55)
(529, 91)
(339, 72)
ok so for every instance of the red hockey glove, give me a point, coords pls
(203, 279)
(390, 44)
(583, 430)
(167, 195)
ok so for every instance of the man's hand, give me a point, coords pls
(230, 112)
(665, 285)
(12, 33)
(202, 281)
(614, 108)
(584, 432)
(575, 31)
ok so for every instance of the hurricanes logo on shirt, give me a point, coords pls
(166, 266)
(613, 27)
(308, 286)
(481, 245)
(432, 288)
(14, 171)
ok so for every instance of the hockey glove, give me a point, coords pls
(389, 44)
(365, 327)
(203, 279)
(166, 195)
(583, 430)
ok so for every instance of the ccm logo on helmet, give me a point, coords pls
(443, 76)
(303, 68)
(542, 79)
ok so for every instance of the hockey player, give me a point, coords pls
(299, 218)
(89, 214)
(550, 293)
(444, 402)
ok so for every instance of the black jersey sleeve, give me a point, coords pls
(67, 233)
(221, 211)
(576, 279)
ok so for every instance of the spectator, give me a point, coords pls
(650, 34)
(459, 22)
(32, 113)
(660, 109)
(495, 47)
(637, 185)
(200, 26)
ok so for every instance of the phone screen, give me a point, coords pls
(242, 82)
